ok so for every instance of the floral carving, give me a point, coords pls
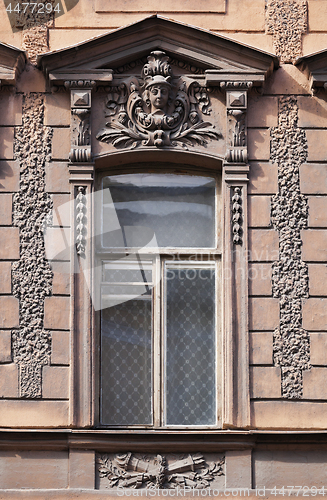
(133, 471)
(289, 215)
(32, 275)
(155, 111)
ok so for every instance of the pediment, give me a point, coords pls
(191, 49)
(12, 62)
(316, 65)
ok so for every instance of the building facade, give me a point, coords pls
(163, 200)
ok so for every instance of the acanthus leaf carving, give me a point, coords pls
(158, 471)
(157, 111)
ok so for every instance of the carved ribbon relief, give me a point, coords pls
(157, 109)
(158, 471)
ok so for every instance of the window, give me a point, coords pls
(159, 319)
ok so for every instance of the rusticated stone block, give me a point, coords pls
(5, 209)
(261, 348)
(11, 109)
(318, 348)
(259, 211)
(317, 211)
(61, 209)
(288, 79)
(288, 415)
(56, 243)
(55, 382)
(238, 469)
(9, 248)
(263, 313)
(317, 15)
(61, 143)
(61, 278)
(33, 413)
(57, 109)
(5, 277)
(6, 143)
(81, 469)
(60, 348)
(314, 245)
(9, 307)
(317, 279)
(316, 140)
(5, 346)
(315, 314)
(265, 382)
(57, 177)
(315, 383)
(258, 144)
(9, 176)
(260, 279)
(31, 80)
(34, 470)
(263, 245)
(9, 381)
(57, 313)
(313, 179)
(262, 178)
(262, 111)
(312, 112)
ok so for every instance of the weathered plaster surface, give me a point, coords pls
(286, 20)
(31, 274)
(289, 214)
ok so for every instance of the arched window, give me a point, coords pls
(159, 255)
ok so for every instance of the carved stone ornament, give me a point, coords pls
(237, 216)
(80, 221)
(286, 20)
(157, 110)
(130, 470)
(80, 92)
(290, 277)
(32, 274)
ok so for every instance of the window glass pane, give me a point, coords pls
(190, 347)
(126, 360)
(158, 209)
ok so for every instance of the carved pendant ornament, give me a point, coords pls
(156, 110)
(158, 471)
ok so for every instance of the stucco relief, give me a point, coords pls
(286, 20)
(237, 217)
(31, 274)
(35, 23)
(157, 110)
(289, 215)
(131, 470)
(80, 221)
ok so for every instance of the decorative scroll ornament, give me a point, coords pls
(154, 111)
(237, 216)
(131, 471)
(80, 221)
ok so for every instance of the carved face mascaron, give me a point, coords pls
(158, 96)
(139, 113)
